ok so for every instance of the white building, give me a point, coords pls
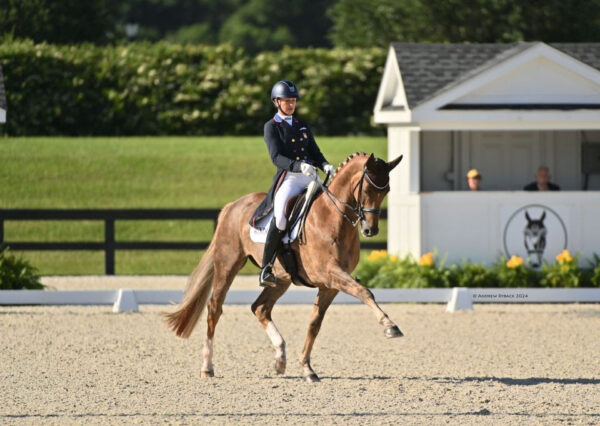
(2, 99)
(504, 109)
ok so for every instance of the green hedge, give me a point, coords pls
(381, 270)
(167, 89)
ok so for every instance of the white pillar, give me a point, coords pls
(405, 179)
(404, 212)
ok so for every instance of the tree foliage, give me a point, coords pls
(361, 23)
(267, 25)
(195, 21)
(255, 25)
(59, 21)
(271, 24)
(560, 20)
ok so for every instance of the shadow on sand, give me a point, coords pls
(510, 381)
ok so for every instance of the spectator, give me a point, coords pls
(474, 180)
(542, 181)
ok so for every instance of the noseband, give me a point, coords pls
(358, 209)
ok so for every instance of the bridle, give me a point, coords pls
(358, 209)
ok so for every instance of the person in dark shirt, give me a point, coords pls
(542, 181)
(294, 151)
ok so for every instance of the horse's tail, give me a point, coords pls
(184, 319)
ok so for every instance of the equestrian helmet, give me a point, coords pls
(284, 89)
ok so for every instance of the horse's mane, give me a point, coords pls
(379, 167)
(350, 157)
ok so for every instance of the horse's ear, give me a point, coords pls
(543, 216)
(527, 216)
(394, 163)
(370, 161)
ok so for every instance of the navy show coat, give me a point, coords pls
(289, 147)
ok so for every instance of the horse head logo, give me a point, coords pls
(535, 238)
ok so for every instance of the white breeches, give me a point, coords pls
(292, 184)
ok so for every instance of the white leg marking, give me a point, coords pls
(207, 354)
(276, 341)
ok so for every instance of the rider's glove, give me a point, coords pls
(329, 169)
(308, 170)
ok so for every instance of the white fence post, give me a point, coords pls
(461, 300)
(126, 301)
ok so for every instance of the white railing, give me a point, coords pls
(128, 300)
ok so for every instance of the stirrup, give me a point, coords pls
(267, 278)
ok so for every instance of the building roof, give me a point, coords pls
(2, 93)
(431, 68)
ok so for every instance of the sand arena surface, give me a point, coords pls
(508, 364)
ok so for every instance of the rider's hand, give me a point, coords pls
(329, 169)
(308, 170)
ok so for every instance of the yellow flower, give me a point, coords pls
(514, 262)
(564, 267)
(426, 259)
(564, 257)
(376, 255)
(393, 258)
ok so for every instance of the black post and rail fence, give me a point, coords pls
(109, 216)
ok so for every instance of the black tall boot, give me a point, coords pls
(267, 277)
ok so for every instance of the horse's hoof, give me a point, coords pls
(312, 378)
(279, 366)
(207, 374)
(393, 331)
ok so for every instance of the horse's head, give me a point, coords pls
(535, 238)
(370, 186)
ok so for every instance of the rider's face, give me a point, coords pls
(288, 105)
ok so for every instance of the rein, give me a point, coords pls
(358, 209)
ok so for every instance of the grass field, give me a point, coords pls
(151, 172)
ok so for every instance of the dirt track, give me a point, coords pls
(498, 364)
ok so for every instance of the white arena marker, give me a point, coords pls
(126, 301)
(461, 300)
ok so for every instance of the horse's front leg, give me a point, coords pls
(343, 281)
(262, 308)
(324, 299)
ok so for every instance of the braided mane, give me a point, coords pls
(350, 157)
(380, 168)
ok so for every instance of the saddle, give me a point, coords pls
(296, 210)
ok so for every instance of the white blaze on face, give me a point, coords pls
(276, 340)
(207, 354)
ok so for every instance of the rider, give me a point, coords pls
(295, 153)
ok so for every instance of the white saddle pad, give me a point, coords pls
(258, 234)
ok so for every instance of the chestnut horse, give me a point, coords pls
(326, 259)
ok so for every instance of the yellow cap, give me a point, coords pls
(473, 174)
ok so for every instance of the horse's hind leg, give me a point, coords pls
(262, 308)
(226, 268)
(324, 299)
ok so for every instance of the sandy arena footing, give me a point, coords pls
(498, 364)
